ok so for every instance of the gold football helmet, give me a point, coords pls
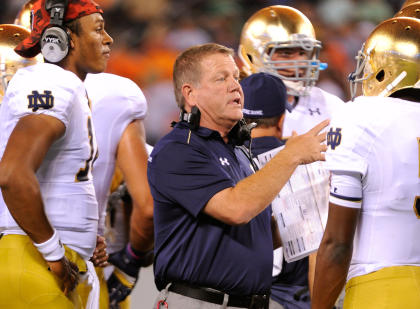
(10, 62)
(408, 2)
(390, 58)
(24, 16)
(276, 27)
(412, 10)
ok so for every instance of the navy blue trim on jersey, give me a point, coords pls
(185, 170)
(346, 198)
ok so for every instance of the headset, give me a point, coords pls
(55, 39)
(240, 133)
(192, 118)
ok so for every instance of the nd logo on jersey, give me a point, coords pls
(334, 138)
(37, 100)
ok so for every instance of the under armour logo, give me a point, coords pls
(334, 138)
(314, 111)
(37, 101)
(224, 161)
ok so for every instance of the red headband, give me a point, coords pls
(30, 47)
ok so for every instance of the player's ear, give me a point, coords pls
(70, 37)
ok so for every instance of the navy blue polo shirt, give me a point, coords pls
(186, 169)
(263, 144)
(287, 286)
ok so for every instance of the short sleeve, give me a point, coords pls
(137, 100)
(348, 141)
(187, 176)
(52, 95)
(346, 189)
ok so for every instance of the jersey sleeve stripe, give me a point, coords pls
(346, 198)
(345, 203)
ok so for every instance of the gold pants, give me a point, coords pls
(388, 288)
(26, 282)
(104, 296)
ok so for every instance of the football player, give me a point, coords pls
(280, 40)
(10, 62)
(411, 10)
(408, 2)
(117, 116)
(48, 209)
(118, 110)
(24, 16)
(373, 154)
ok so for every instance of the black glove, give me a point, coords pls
(122, 281)
(118, 288)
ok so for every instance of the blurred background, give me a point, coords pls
(148, 35)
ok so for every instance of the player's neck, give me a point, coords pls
(70, 65)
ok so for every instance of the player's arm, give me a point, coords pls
(275, 233)
(24, 153)
(311, 272)
(334, 255)
(132, 160)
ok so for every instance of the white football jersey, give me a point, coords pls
(377, 139)
(310, 110)
(65, 174)
(116, 102)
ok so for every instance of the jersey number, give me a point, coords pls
(416, 205)
(83, 173)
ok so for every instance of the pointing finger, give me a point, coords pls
(319, 127)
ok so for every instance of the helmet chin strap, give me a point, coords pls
(393, 84)
(296, 88)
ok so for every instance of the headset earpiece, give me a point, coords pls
(241, 132)
(55, 39)
(54, 44)
(192, 118)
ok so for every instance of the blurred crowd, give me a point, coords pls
(148, 35)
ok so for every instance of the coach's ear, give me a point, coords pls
(280, 124)
(189, 96)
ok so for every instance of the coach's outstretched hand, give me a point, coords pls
(308, 147)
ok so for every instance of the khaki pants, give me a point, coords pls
(177, 301)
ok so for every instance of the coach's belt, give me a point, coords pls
(255, 301)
